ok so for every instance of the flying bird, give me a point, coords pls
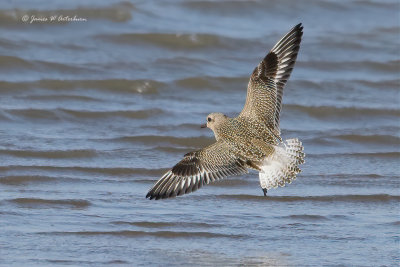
(252, 140)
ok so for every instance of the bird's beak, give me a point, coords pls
(203, 125)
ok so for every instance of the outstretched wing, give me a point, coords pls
(265, 89)
(197, 169)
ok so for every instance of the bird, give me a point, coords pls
(252, 140)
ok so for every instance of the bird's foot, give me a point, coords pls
(265, 192)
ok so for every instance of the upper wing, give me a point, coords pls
(196, 169)
(265, 89)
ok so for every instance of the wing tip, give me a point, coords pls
(159, 190)
(157, 194)
(190, 174)
(298, 28)
(152, 196)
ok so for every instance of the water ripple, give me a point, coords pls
(50, 203)
(373, 198)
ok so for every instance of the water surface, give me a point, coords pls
(93, 113)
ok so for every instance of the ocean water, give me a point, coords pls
(93, 112)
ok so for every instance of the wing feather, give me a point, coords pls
(197, 169)
(265, 89)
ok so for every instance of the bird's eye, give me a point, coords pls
(209, 119)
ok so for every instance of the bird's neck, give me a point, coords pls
(221, 128)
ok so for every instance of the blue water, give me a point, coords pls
(92, 113)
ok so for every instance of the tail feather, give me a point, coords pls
(282, 166)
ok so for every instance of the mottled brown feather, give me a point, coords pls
(265, 88)
(198, 168)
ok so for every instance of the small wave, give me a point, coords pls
(9, 212)
(214, 83)
(14, 62)
(171, 127)
(180, 41)
(133, 114)
(241, 7)
(394, 223)
(378, 4)
(343, 43)
(355, 180)
(92, 170)
(328, 85)
(159, 234)
(10, 44)
(181, 141)
(339, 217)
(30, 113)
(57, 154)
(167, 40)
(146, 181)
(26, 179)
(383, 155)
(378, 155)
(38, 202)
(346, 176)
(11, 63)
(306, 217)
(57, 98)
(232, 182)
(385, 84)
(389, 66)
(69, 262)
(223, 6)
(18, 180)
(147, 224)
(183, 63)
(330, 198)
(60, 113)
(323, 112)
(113, 262)
(374, 139)
(108, 85)
(170, 149)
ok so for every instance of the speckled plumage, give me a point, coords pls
(252, 139)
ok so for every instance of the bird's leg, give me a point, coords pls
(265, 192)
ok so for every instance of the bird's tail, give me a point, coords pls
(282, 166)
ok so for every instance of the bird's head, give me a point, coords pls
(214, 121)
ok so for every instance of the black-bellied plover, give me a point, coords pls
(251, 140)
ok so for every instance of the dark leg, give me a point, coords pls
(265, 192)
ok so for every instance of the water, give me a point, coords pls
(93, 113)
